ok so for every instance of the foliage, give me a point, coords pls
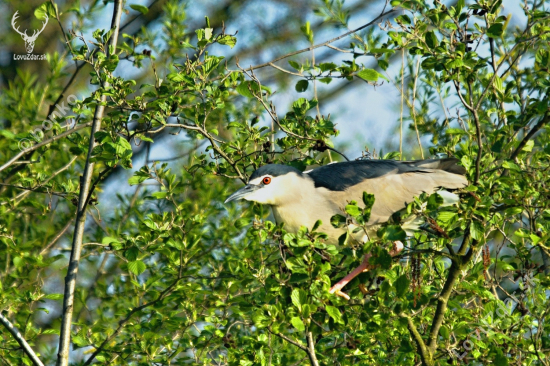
(170, 275)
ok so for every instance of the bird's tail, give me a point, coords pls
(449, 165)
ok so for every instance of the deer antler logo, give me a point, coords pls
(29, 41)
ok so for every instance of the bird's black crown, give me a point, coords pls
(274, 170)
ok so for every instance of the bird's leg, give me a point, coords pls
(363, 267)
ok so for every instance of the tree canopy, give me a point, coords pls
(118, 150)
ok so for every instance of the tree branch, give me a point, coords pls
(85, 183)
(478, 137)
(56, 237)
(380, 16)
(442, 301)
(425, 354)
(22, 342)
(530, 134)
(127, 318)
(45, 142)
(311, 350)
(289, 340)
(26, 193)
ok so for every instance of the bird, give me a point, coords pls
(301, 198)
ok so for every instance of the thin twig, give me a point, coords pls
(24, 194)
(56, 238)
(19, 338)
(43, 143)
(289, 340)
(402, 98)
(380, 16)
(121, 323)
(544, 120)
(413, 108)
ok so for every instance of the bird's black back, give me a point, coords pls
(340, 176)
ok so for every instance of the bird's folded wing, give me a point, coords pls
(393, 186)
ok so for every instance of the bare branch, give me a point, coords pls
(43, 143)
(380, 16)
(423, 350)
(544, 120)
(311, 350)
(22, 342)
(56, 238)
(121, 323)
(289, 340)
(85, 193)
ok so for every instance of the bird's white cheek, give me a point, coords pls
(263, 196)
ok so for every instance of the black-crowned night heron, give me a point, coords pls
(300, 199)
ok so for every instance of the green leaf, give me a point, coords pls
(301, 86)
(299, 298)
(500, 359)
(511, 211)
(446, 216)
(476, 229)
(243, 89)
(392, 233)
(184, 44)
(434, 201)
(353, 210)
(368, 200)
(54, 296)
(511, 165)
(79, 341)
(137, 267)
(326, 66)
(137, 179)
(317, 225)
(337, 220)
(159, 195)
(528, 146)
(431, 39)
(295, 65)
(142, 9)
(382, 258)
(369, 75)
(108, 240)
(46, 9)
(227, 40)
(242, 222)
(402, 285)
(445, 332)
(455, 131)
(50, 331)
(298, 323)
(405, 346)
(298, 277)
(404, 19)
(334, 314)
(496, 30)
(131, 253)
(175, 77)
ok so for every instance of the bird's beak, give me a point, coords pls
(242, 193)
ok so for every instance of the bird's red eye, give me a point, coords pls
(266, 180)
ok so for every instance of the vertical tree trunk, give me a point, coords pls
(85, 183)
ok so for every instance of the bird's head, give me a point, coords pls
(270, 184)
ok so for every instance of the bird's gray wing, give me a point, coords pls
(393, 183)
(449, 165)
(341, 176)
